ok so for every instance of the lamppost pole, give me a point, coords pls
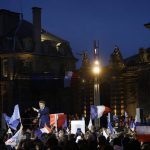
(96, 71)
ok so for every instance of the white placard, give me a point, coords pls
(137, 117)
(75, 124)
(142, 130)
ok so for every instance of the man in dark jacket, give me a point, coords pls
(43, 114)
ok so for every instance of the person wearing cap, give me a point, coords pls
(43, 114)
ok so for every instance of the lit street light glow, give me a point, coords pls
(96, 62)
(96, 67)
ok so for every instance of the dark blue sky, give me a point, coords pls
(112, 22)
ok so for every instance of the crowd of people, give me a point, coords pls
(94, 138)
(63, 140)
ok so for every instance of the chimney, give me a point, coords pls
(36, 28)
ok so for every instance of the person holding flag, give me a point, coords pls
(43, 114)
(13, 123)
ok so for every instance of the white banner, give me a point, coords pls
(77, 124)
(140, 130)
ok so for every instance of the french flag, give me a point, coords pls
(70, 78)
(143, 133)
(67, 78)
(15, 119)
(16, 138)
(98, 111)
(39, 132)
(58, 120)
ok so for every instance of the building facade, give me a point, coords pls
(129, 82)
(33, 63)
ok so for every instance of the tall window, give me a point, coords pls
(24, 66)
(5, 67)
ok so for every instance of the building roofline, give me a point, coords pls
(8, 11)
(56, 37)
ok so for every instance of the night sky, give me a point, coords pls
(112, 22)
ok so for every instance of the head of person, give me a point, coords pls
(41, 104)
(102, 140)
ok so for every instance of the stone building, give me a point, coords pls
(33, 63)
(129, 82)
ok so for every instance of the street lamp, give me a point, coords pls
(96, 70)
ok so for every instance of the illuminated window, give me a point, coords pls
(122, 106)
(85, 113)
(122, 101)
(115, 112)
(122, 111)
(83, 80)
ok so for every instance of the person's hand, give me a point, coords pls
(35, 109)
